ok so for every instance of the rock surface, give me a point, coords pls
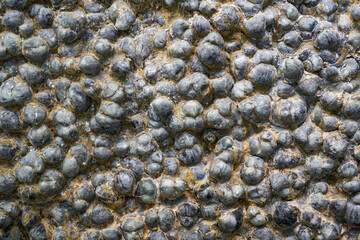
(179, 119)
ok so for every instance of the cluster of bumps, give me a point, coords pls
(179, 119)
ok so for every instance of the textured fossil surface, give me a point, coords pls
(179, 119)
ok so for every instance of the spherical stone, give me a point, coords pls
(290, 112)
(45, 17)
(146, 191)
(12, 45)
(253, 171)
(13, 19)
(20, 93)
(331, 101)
(348, 170)
(328, 39)
(231, 221)
(145, 145)
(7, 184)
(178, 27)
(78, 98)
(101, 215)
(255, 26)
(191, 156)
(263, 75)
(69, 25)
(26, 29)
(111, 234)
(40, 136)
(201, 25)
(172, 189)
(335, 146)
(103, 47)
(53, 154)
(220, 171)
(151, 218)
(35, 160)
(210, 55)
(110, 33)
(125, 20)
(51, 182)
(241, 89)
(163, 107)
(180, 49)
(352, 215)
(31, 74)
(8, 150)
(256, 109)
(29, 217)
(285, 215)
(157, 236)
(38, 232)
(263, 233)
(9, 121)
(35, 49)
(227, 19)
(124, 182)
(160, 39)
(14, 4)
(89, 65)
(330, 230)
(293, 69)
(174, 70)
(318, 202)
(69, 167)
(166, 219)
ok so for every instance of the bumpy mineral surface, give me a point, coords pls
(179, 119)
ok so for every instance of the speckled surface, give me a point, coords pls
(179, 119)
